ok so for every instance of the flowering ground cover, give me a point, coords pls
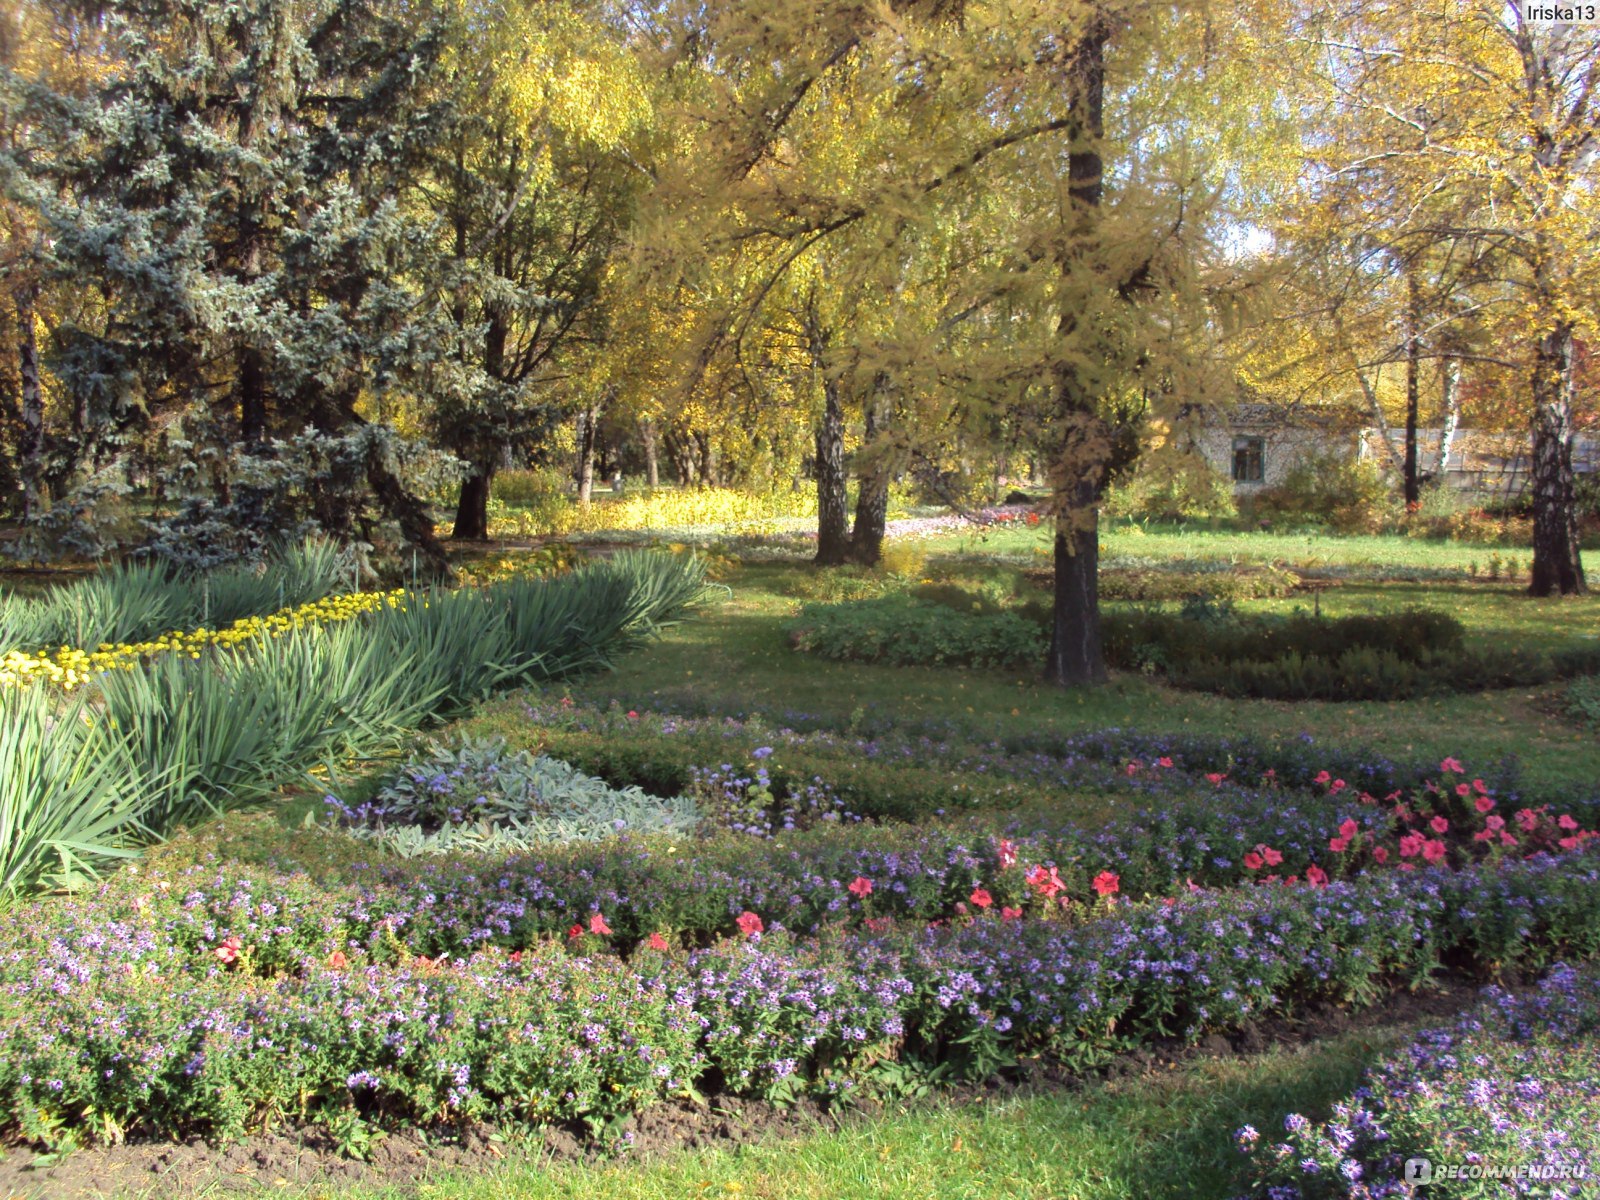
(1514, 1085)
(217, 998)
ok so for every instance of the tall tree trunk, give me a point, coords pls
(872, 499)
(1413, 383)
(705, 447)
(472, 509)
(1076, 656)
(833, 516)
(1557, 564)
(588, 420)
(252, 397)
(1450, 403)
(31, 449)
(652, 461)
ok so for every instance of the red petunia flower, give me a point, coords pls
(228, 949)
(980, 898)
(1106, 883)
(1253, 861)
(576, 931)
(860, 887)
(749, 924)
(656, 942)
(338, 961)
(1316, 876)
(597, 924)
(1010, 914)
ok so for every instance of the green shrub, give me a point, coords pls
(1173, 486)
(1582, 701)
(1389, 656)
(1330, 491)
(903, 631)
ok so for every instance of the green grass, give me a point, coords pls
(734, 659)
(1165, 1134)
(1124, 540)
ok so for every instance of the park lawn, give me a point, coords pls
(1124, 542)
(733, 659)
(1168, 1133)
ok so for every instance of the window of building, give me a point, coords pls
(1248, 459)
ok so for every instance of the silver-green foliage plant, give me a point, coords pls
(483, 798)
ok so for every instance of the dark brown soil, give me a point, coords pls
(297, 1159)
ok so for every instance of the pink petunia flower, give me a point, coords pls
(1253, 861)
(656, 942)
(1010, 914)
(228, 950)
(597, 924)
(1483, 803)
(1432, 850)
(749, 924)
(1380, 854)
(1338, 845)
(980, 898)
(1439, 825)
(860, 887)
(1316, 876)
(1270, 856)
(1452, 765)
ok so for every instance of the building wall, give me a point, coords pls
(1282, 450)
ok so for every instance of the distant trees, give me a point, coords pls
(1458, 142)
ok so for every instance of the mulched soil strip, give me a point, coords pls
(404, 1160)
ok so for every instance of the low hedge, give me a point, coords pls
(905, 631)
(1204, 647)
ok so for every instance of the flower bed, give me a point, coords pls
(1515, 1085)
(86, 778)
(139, 1010)
(943, 768)
(70, 667)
